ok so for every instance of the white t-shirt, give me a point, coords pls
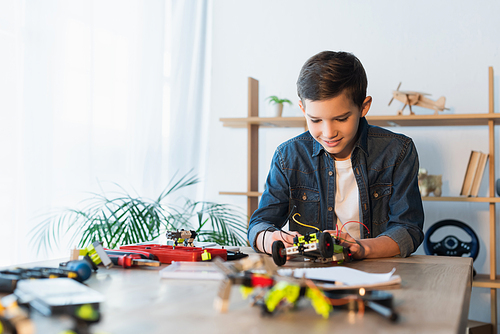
(347, 198)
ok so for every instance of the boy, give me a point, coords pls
(342, 171)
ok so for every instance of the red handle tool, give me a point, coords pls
(133, 260)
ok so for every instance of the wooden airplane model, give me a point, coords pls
(410, 98)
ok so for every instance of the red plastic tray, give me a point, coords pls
(167, 254)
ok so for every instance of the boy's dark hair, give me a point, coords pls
(328, 74)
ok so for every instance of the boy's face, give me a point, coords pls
(334, 123)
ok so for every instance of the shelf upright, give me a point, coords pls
(253, 146)
(493, 229)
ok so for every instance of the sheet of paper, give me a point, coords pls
(192, 270)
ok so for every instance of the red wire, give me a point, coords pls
(351, 221)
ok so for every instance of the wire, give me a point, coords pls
(345, 240)
(281, 234)
(313, 227)
(351, 221)
(264, 238)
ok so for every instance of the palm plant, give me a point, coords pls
(125, 219)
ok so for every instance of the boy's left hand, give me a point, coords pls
(357, 249)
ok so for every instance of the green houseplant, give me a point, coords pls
(278, 103)
(126, 219)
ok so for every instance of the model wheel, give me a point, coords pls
(326, 245)
(279, 253)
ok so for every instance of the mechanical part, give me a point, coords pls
(378, 301)
(326, 245)
(81, 267)
(182, 236)
(279, 253)
(451, 245)
(133, 260)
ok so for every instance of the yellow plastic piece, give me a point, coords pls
(282, 290)
(319, 302)
(72, 275)
(245, 291)
(93, 254)
(87, 312)
(206, 256)
(313, 238)
(301, 239)
(1, 328)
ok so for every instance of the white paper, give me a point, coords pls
(192, 270)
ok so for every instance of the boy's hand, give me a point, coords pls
(268, 238)
(358, 251)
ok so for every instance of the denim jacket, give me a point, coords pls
(385, 166)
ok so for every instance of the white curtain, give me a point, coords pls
(94, 93)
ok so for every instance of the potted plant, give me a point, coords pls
(125, 219)
(278, 104)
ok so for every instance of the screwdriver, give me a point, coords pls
(133, 260)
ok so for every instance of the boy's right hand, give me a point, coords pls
(267, 239)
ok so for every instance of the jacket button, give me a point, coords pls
(330, 208)
(304, 197)
(375, 194)
(330, 173)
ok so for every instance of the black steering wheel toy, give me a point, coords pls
(451, 245)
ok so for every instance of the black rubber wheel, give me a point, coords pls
(451, 245)
(278, 250)
(325, 245)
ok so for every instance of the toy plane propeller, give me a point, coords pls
(411, 98)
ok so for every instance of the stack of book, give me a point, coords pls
(474, 173)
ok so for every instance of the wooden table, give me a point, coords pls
(433, 298)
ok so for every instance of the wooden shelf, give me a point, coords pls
(385, 121)
(248, 193)
(484, 281)
(428, 199)
(274, 122)
(462, 199)
(434, 120)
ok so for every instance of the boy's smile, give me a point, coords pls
(334, 123)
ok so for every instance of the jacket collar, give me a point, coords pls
(362, 142)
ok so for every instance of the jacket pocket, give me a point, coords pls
(380, 195)
(306, 202)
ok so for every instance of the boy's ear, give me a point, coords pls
(302, 107)
(365, 107)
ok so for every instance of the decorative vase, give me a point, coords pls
(279, 109)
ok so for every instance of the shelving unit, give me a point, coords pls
(253, 122)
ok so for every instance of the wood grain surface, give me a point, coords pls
(433, 298)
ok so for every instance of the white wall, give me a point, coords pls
(440, 47)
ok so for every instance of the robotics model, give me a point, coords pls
(318, 246)
(182, 236)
